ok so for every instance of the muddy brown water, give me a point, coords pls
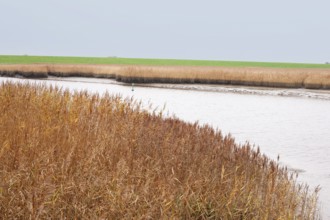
(294, 123)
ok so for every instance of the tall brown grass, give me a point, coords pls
(249, 76)
(82, 156)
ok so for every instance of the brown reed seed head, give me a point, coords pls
(79, 155)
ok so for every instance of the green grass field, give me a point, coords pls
(5, 59)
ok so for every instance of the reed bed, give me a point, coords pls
(248, 76)
(81, 156)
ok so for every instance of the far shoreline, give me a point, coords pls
(308, 78)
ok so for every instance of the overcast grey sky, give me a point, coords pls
(255, 30)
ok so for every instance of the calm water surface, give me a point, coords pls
(296, 128)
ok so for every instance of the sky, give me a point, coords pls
(255, 30)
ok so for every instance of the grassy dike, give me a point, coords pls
(310, 76)
(82, 156)
(11, 59)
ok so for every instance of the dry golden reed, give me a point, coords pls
(77, 155)
(248, 76)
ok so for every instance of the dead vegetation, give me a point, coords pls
(249, 76)
(82, 156)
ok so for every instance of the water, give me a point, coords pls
(294, 124)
